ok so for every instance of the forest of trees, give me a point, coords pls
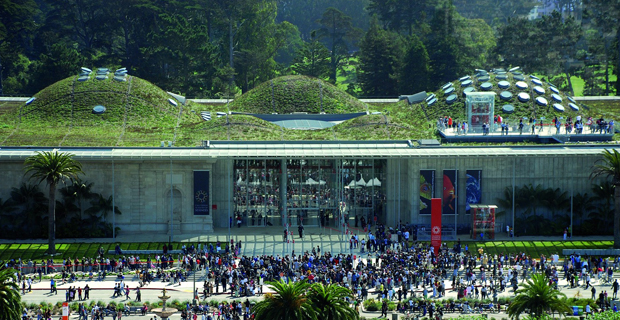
(212, 48)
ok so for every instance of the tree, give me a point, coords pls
(538, 297)
(312, 59)
(331, 302)
(10, 300)
(337, 29)
(606, 14)
(476, 40)
(289, 302)
(402, 16)
(609, 166)
(380, 55)
(583, 204)
(30, 204)
(442, 46)
(102, 205)
(79, 191)
(17, 28)
(494, 12)
(414, 74)
(52, 167)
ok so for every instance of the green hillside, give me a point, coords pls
(140, 114)
(297, 94)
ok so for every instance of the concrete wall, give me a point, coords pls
(142, 188)
(566, 173)
(142, 192)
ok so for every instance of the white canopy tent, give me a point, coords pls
(373, 183)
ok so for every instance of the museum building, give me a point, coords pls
(273, 183)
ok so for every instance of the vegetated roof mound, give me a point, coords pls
(137, 113)
(290, 94)
(450, 99)
(72, 101)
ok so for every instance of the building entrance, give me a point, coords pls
(317, 192)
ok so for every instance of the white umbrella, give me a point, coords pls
(361, 183)
(322, 182)
(240, 181)
(373, 182)
(311, 181)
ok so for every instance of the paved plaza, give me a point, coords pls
(255, 242)
(103, 291)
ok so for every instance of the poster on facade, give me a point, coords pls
(427, 190)
(473, 192)
(201, 193)
(450, 191)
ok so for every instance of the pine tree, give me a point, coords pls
(414, 75)
(380, 53)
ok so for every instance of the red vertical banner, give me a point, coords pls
(436, 224)
(65, 311)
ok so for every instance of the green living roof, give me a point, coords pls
(139, 114)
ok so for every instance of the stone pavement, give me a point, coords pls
(103, 290)
(269, 240)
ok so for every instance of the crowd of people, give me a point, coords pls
(395, 269)
(570, 126)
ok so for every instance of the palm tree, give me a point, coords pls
(79, 191)
(102, 205)
(331, 302)
(29, 203)
(583, 204)
(52, 167)
(289, 302)
(609, 166)
(538, 297)
(10, 300)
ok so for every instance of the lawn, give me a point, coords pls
(36, 251)
(79, 250)
(533, 248)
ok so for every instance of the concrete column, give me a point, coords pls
(283, 178)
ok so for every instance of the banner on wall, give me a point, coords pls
(450, 191)
(436, 224)
(201, 193)
(473, 190)
(427, 190)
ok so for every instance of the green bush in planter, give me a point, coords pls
(370, 305)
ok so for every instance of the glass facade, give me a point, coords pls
(256, 187)
(319, 192)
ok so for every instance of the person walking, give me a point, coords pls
(384, 309)
(614, 286)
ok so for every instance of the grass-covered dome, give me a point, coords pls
(69, 113)
(290, 94)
